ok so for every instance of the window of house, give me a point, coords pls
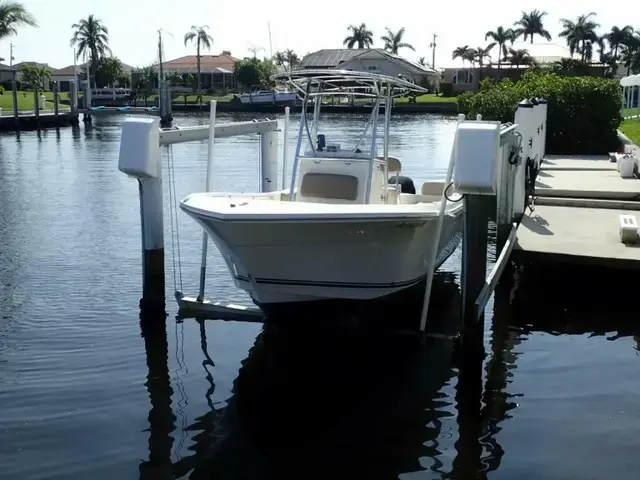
(329, 185)
(463, 76)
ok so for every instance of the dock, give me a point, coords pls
(28, 120)
(576, 218)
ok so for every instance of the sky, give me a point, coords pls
(236, 26)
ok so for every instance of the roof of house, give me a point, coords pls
(19, 65)
(332, 58)
(68, 70)
(208, 64)
(6, 68)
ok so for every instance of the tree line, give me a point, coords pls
(619, 45)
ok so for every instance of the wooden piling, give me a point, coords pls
(56, 100)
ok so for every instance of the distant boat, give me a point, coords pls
(268, 96)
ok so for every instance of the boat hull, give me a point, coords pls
(292, 264)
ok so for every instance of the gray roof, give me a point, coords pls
(332, 58)
(329, 58)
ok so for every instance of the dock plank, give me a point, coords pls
(582, 235)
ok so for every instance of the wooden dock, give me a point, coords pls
(577, 214)
(29, 120)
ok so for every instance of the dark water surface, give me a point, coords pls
(84, 395)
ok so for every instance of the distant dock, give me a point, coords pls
(577, 214)
(29, 120)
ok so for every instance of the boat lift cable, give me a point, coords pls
(175, 229)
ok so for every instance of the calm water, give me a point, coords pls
(84, 395)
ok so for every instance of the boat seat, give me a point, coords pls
(393, 164)
(432, 188)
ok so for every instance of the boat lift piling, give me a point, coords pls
(490, 171)
(141, 158)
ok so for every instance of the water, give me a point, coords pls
(84, 395)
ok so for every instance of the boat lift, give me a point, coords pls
(490, 165)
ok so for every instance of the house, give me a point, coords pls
(375, 60)
(64, 76)
(6, 75)
(18, 67)
(216, 71)
(467, 79)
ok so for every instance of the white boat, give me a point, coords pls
(268, 96)
(344, 230)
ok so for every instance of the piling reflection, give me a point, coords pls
(158, 384)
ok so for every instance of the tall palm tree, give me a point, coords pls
(202, 39)
(531, 24)
(501, 37)
(393, 41)
(465, 53)
(519, 57)
(91, 36)
(618, 37)
(580, 35)
(12, 16)
(361, 36)
(480, 54)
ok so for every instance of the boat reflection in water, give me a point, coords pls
(338, 404)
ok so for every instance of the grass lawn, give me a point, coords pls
(25, 100)
(429, 98)
(631, 128)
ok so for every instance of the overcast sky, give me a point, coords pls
(236, 25)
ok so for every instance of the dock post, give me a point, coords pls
(140, 157)
(56, 105)
(523, 119)
(535, 131)
(14, 95)
(269, 161)
(36, 105)
(73, 96)
(543, 134)
(285, 149)
(474, 261)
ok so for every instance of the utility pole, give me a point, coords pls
(433, 52)
(11, 54)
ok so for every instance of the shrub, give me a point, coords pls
(1, 90)
(583, 112)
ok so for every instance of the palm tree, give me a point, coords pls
(530, 24)
(43, 74)
(12, 16)
(198, 35)
(291, 58)
(361, 36)
(519, 57)
(580, 35)
(393, 41)
(465, 53)
(422, 61)
(92, 37)
(617, 38)
(501, 36)
(480, 54)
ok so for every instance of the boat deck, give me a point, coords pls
(577, 214)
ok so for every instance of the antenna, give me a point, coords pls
(270, 44)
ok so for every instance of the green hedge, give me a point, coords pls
(583, 112)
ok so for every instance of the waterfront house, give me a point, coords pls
(375, 60)
(216, 71)
(64, 75)
(467, 78)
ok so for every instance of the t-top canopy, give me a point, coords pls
(340, 82)
(630, 81)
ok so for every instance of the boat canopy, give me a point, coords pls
(322, 82)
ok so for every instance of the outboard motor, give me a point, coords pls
(406, 184)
